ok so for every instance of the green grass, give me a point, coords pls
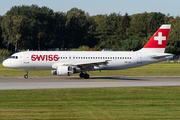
(91, 103)
(157, 69)
(95, 103)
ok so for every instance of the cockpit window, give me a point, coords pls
(14, 57)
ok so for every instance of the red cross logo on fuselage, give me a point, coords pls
(160, 38)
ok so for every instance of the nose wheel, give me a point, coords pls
(84, 75)
(26, 74)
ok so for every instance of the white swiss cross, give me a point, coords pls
(160, 38)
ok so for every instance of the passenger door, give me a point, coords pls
(139, 58)
(26, 57)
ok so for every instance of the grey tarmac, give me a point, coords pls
(9, 83)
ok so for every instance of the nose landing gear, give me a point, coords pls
(26, 74)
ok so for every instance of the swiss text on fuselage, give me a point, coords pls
(44, 57)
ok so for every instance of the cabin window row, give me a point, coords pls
(100, 57)
(85, 57)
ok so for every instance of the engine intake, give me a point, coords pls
(63, 70)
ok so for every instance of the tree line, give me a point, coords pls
(39, 28)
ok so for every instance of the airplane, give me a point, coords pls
(69, 62)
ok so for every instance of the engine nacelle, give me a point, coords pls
(63, 70)
(54, 72)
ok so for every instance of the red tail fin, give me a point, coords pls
(159, 39)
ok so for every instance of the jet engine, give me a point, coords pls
(63, 70)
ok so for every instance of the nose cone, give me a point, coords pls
(5, 64)
(10, 64)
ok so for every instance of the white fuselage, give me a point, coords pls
(43, 60)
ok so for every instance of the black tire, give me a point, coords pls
(81, 75)
(86, 76)
(25, 76)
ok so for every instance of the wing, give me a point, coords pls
(91, 65)
(83, 65)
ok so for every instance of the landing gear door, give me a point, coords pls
(139, 58)
(26, 58)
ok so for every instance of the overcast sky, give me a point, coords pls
(94, 7)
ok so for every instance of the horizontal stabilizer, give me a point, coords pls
(167, 56)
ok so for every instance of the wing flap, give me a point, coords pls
(94, 63)
(91, 65)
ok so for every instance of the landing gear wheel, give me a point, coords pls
(25, 76)
(81, 75)
(86, 76)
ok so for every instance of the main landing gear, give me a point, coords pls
(84, 75)
(26, 74)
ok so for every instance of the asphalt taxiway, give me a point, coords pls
(8, 83)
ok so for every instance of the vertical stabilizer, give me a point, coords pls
(158, 41)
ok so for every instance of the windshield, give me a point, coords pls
(14, 57)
